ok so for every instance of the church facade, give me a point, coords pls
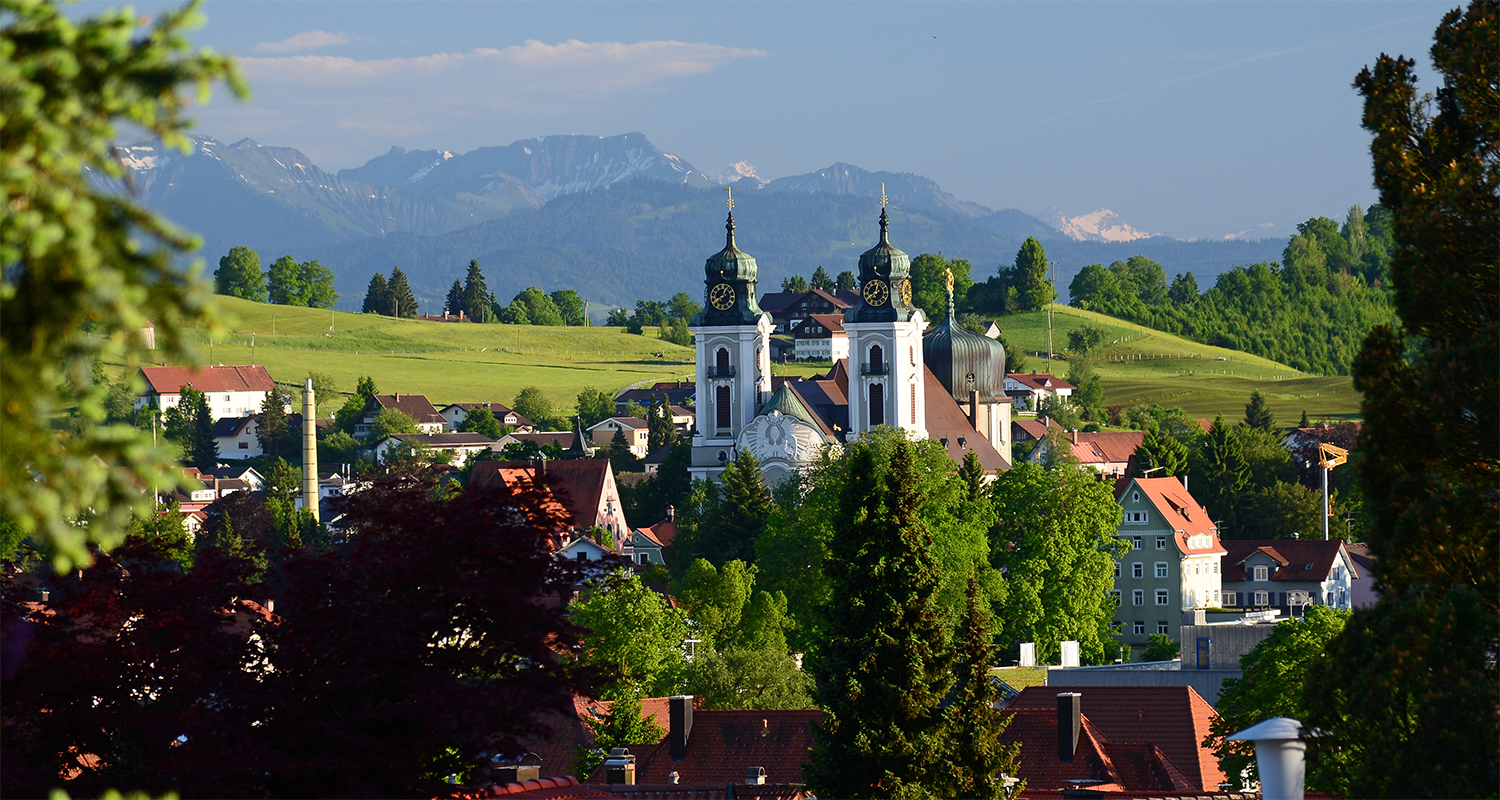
(932, 382)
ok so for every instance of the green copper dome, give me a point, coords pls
(954, 353)
(729, 278)
(785, 400)
(884, 282)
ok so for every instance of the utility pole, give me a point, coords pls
(1052, 266)
(252, 348)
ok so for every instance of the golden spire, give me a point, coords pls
(882, 197)
(730, 201)
(948, 277)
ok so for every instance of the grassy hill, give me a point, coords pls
(1141, 366)
(460, 362)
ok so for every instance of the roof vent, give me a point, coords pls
(619, 767)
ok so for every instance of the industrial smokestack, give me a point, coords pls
(310, 450)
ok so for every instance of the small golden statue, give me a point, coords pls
(948, 278)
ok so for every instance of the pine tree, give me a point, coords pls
(1030, 273)
(404, 303)
(1220, 473)
(660, 431)
(271, 426)
(620, 456)
(1258, 413)
(846, 281)
(972, 474)
(883, 666)
(477, 298)
(1160, 450)
(820, 280)
(978, 761)
(203, 446)
(740, 514)
(377, 296)
(1304, 423)
(455, 302)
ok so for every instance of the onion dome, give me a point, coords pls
(963, 360)
(884, 282)
(729, 278)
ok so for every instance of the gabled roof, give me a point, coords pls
(578, 485)
(225, 427)
(412, 405)
(777, 302)
(562, 439)
(635, 423)
(500, 410)
(1174, 719)
(945, 420)
(444, 439)
(1033, 428)
(170, 380)
(1296, 559)
(658, 457)
(833, 325)
(1039, 380)
(723, 743)
(841, 299)
(514, 478)
(1179, 510)
(1105, 447)
(1122, 766)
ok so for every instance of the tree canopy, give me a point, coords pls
(239, 275)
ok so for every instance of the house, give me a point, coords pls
(1364, 593)
(821, 337)
(562, 440)
(672, 392)
(789, 308)
(1171, 719)
(412, 405)
(585, 491)
(1173, 563)
(461, 445)
(635, 430)
(1288, 574)
(455, 413)
(236, 437)
(1029, 390)
(654, 461)
(1108, 452)
(231, 391)
(1033, 430)
(683, 417)
(213, 487)
(248, 475)
(650, 543)
(709, 748)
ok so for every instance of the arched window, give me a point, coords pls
(877, 402)
(877, 360)
(722, 417)
(721, 362)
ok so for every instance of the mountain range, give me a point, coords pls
(614, 217)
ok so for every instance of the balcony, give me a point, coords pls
(720, 372)
(875, 368)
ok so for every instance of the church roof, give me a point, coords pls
(787, 399)
(945, 420)
(954, 353)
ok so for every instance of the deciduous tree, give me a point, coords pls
(482, 421)
(631, 635)
(239, 275)
(594, 406)
(284, 282)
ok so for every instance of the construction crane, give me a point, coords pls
(1329, 456)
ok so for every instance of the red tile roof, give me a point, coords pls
(945, 420)
(1299, 559)
(1172, 718)
(1105, 447)
(1034, 428)
(415, 406)
(577, 485)
(723, 743)
(170, 380)
(1040, 380)
(1180, 510)
(832, 324)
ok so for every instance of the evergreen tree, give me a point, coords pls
(978, 759)
(1034, 291)
(271, 426)
(738, 512)
(794, 283)
(202, 446)
(1184, 290)
(620, 456)
(660, 431)
(846, 281)
(377, 296)
(1258, 413)
(477, 297)
(971, 472)
(1220, 475)
(820, 280)
(626, 723)
(239, 275)
(284, 282)
(883, 666)
(403, 302)
(1162, 453)
(1304, 423)
(455, 303)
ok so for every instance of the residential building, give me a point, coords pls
(1108, 452)
(651, 542)
(787, 309)
(461, 446)
(235, 391)
(236, 437)
(1364, 593)
(1172, 719)
(672, 392)
(705, 747)
(562, 440)
(585, 491)
(820, 337)
(1173, 563)
(1288, 574)
(454, 415)
(653, 462)
(635, 430)
(415, 406)
(1054, 758)
(1029, 390)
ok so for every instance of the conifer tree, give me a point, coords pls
(660, 431)
(403, 302)
(742, 504)
(846, 281)
(1158, 450)
(620, 456)
(972, 473)
(1258, 413)
(455, 302)
(477, 298)
(377, 296)
(1033, 289)
(271, 425)
(978, 759)
(883, 665)
(203, 446)
(1220, 473)
(1304, 422)
(820, 280)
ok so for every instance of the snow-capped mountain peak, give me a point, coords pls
(739, 169)
(1101, 225)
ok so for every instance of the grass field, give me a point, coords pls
(1141, 366)
(461, 362)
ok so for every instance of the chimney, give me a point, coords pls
(755, 776)
(672, 513)
(619, 767)
(974, 409)
(1184, 481)
(310, 450)
(1069, 722)
(1073, 436)
(1280, 757)
(681, 725)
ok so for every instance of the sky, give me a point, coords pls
(1195, 120)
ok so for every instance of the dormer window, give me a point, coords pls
(1262, 573)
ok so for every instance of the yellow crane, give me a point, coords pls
(1329, 456)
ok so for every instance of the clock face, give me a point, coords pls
(876, 292)
(721, 296)
(906, 292)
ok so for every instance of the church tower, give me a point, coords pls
(885, 343)
(734, 355)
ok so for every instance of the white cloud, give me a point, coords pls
(309, 40)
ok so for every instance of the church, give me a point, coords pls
(940, 382)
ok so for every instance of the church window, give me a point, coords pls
(721, 362)
(877, 360)
(877, 402)
(721, 406)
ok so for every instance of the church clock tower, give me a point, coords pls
(885, 343)
(734, 355)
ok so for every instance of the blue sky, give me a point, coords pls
(1197, 120)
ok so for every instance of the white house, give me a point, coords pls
(1029, 390)
(1288, 574)
(456, 413)
(821, 337)
(415, 406)
(231, 391)
(461, 445)
(236, 437)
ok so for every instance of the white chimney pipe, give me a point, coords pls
(310, 450)
(1280, 757)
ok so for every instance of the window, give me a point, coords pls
(1161, 627)
(1161, 543)
(1216, 568)
(244, 445)
(1135, 517)
(1261, 599)
(721, 362)
(1231, 599)
(583, 555)
(1117, 569)
(877, 404)
(1261, 573)
(1161, 569)
(1135, 544)
(1137, 570)
(1139, 629)
(1135, 497)
(1115, 596)
(722, 418)
(877, 360)
(1161, 597)
(1138, 597)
